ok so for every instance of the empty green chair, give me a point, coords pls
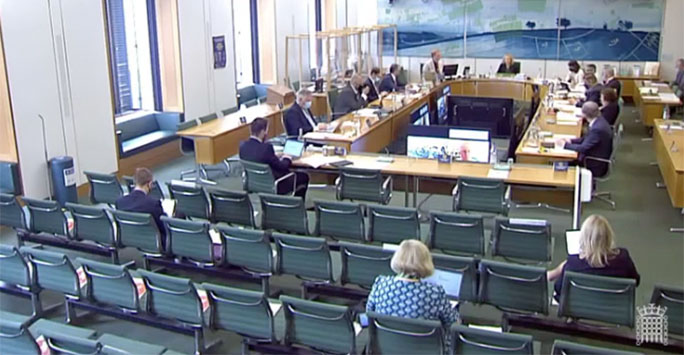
(249, 250)
(598, 298)
(112, 344)
(514, 288)
(305, 257)
(397, 335)
(9, 178)
(46, 217)
(232, 207)
(230, 110)
(284, 213)
(104, 188)
(111, 285)
(11, 213)
(361, 264)
(340, 220)
(93, 224)
(393, 224)
(528, 240)
(465, 265)
(457, 233)
(257, 177)
(363, 185)
(15, 337)
(320, 326)
(673, 299)
(15, 271)
(207, 118)
(18, 337)
(191, 199)
(54, 271)
(138, 230)
(562, 347)
(477, 341)
(189, 240)
(155, 190)
(481, 195)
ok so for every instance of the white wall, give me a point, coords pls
(672, 45)
(292, 17)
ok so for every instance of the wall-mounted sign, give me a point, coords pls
(219, 52)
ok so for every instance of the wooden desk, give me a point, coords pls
(652, 106)
(628, 84)
(671, 163)
(543, 156)
(319, 104)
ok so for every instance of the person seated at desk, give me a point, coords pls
(139, 200)
(598, 255)
(347, 75)
(593, 92)
(509, 65)
(298, 118)
(590, 69)
(610, 110)
(597, 143)
(609, 81)
(372, 83)
(256, 150)
(575, 74)
(353, 97)
(389, 82)
(433, 70)
(678, 83)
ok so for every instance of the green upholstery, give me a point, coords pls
(191, 200)
(14, 269)
(60, 343)
(364, 185)
(361, 264)
(146, 131)
(207, 118)
(512, 287)
(333, 94)
(481, 195)
(320, 326)
(393, 224)
(673, 299)
(232, 207)
(112, 344)
(257, 177)
(172, 297)
(15, 337)
(54, 271)
(189, 239)
(9, 178)
(92, 223)
(138, 230)
(304, 257)
(562, 347)
(529, 241)
(477, 341)
(110, 284)
(230, 110)
(42, 326)
(457, 233)
(241, 311)
(600, 298)
(397, 335)
(340, 220)
(46, 217)
(104, 188)
(155, 190)
(11, 214)
(246, 248)
(467, 266)
(284, 213)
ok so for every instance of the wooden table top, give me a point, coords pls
(664, 89)
(541, 118)
(230, 122)
(675, 136)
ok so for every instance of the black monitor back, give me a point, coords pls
(494, 114)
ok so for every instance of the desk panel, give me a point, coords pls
(671, 163)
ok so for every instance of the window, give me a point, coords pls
(243, 41)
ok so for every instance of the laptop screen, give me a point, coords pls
(293, 148)
(451, 281)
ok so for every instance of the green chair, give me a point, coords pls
(59, 343)
(393, 224)
(249, 250)
(53, 271)
(320, 326)
(15, 272)
(189, 240)
(93, 224)
(467, 266)
(110, 285)
(257, 177)
(46, 217)
(481, 195)
(599, 298)
(207, 118)
(562, 347)
(361, 264)
(477, 341)
(673, 299)
(138, 230)
(232, 207)
(15, 337)
(230, 110)
(104, 188)
(522, 239)
(363, 185)
(333, 94)
(155, 191)
(11, 213)
(284, 213)
(9, 178)
(112, 344)
(307, 258)
(340, 220)
(514, 288)
(457, 233)
(191, 200)
(397, 335)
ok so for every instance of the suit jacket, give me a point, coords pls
(388, 84)
(430, 68)
(258, 152)
(139, 201)
(614, 84)
(295, 119)
(514, 69)
(679, 81)
(373, 93)
(592, 94)
(611, 112)
(597, 143)
(348, 101)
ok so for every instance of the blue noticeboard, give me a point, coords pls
(219, 51)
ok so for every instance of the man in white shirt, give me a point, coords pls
(433, 70)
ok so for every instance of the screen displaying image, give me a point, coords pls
(442, 104)
(421, 116)
(459, 144)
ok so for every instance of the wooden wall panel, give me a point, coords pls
(8, 146)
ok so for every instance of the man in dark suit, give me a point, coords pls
(372, 84)
(597, 143)
(678, 84)
(389, 82)
(256, 150)
(298, 118)
(353, 97)
(593, 92)
(609, 80)
(139, 200)
(610, 109)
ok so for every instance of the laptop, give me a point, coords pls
(450, 280)
(572, 241)
(293, 148)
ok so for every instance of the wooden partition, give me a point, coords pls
(169, 55)
(8, 146)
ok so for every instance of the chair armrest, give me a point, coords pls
(456, 193)
(387, 183)
(283, 178)
(607, 161)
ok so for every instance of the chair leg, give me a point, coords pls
(69, 311)
(199, 341)
(605, 197)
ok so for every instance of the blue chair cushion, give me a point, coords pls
(146, 132)
(138, 126)
(251, 94)
(146, 141)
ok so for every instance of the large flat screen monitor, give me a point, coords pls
(435, 142)
(493, 114)
(442, 104)
(421, 116)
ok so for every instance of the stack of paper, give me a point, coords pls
(366, 112)
(668, 96)
(567, 116)
(565, 107)
(316, 161)
(498, 174)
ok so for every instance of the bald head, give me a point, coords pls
(356, 80)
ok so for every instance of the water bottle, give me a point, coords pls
(492, 154)
(666, 113)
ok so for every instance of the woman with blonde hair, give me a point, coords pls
(598, 255)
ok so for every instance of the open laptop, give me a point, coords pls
(450, 280)
(293, 148)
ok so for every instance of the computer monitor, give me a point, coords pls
(450, 70)
(441, 104)
(436, 142)
(492, 114)
(421, 116)
(293, 148)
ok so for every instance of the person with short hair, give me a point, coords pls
(575, 74)
(352, 97)
(139, 200)
(597, 143)
(590, 69)
(389, 83)
(598, 255)
(610, 81)
(298, 118)
(372, 83)
(610, 109)
(593, 92)
(509, 65)
(433, 69)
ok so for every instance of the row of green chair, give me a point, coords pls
(106, 188)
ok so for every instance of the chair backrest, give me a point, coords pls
(54, 271)
(92, 223)
(457, 233)
(514, 288)
(230, 110)
(138, 230)
(467, 340)
(562, 347)
(187, 145)
(14, 269)
(481, 195)
(11, 213)
(110, 284)
(241, 311)
(104, 188)
(361, 264)
(246, 248)
(304, 257)
(191, 200)
(363, 185)
(397, 335)
(207, 118)
(284, 213)
(340, 220)
(173, 297)
(232, 207)
(393, 224)
(155, 191)
(465, 265)
(257, 177)
(9, 178)
(46, 217)
(673, 299)
(333, 94)
(599, 298)
(318, 325)
(15, 337)
(189, 240)
(522, 239)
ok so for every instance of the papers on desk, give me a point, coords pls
(169, 206)
(668, 96)
(316, 161)
(565, 107)
(366, 112)
(572, 242)
(563, 136)
(531, 150)
(567, 117)
(648, 91)
(561, 151)
(498, 174)
(672, 127)
(370, 165)
(324, 136)
(664, 85)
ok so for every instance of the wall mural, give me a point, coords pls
(614, 30)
